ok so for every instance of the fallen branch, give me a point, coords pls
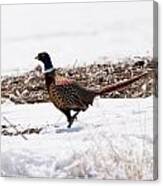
(14, 127)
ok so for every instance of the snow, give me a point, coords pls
(111, 140)
(75, 33)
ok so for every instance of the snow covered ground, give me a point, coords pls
(111, 140)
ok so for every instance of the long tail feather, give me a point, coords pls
(120, 85)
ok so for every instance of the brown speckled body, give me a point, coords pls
(68, 94)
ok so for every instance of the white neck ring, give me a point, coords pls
(48, 70)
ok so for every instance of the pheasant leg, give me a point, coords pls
(72, 118)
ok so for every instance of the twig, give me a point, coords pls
(13, 126)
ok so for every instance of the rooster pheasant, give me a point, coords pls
(67, 95)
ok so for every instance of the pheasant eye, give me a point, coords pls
(42, 55)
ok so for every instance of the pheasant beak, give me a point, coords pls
(36, 57)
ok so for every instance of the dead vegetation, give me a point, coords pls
(30, 87)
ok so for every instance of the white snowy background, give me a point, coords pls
(80, 32)
(114, 138)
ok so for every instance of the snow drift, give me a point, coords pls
(112, 140)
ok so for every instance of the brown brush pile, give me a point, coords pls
(30, 87)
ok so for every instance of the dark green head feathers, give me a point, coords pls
(45, 59)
